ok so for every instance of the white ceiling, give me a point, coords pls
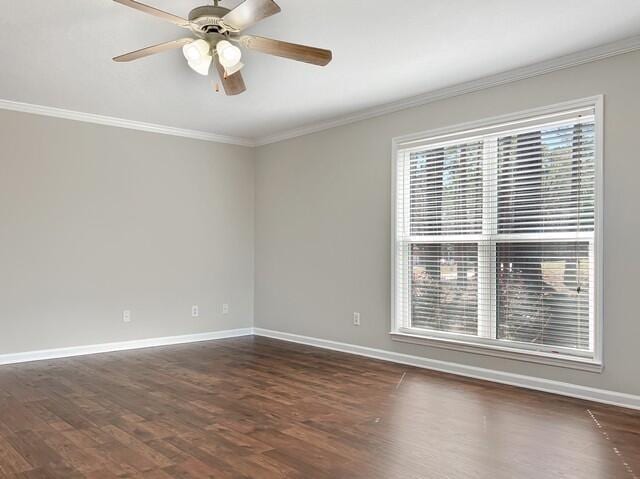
(58, 53)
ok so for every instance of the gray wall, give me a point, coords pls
(323, 221)
(95, 220)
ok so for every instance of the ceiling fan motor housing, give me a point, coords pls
(207, 18)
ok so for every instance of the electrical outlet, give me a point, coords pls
(195, 312)
(126, 316)
(225, 309)
(356, 319)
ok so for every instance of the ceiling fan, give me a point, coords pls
(218, 31)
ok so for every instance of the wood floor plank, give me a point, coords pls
(260, 408)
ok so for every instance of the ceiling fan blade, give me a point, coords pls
(301, 53)
(181, 22)
(233, 84)
(249, 13)
(145, 52)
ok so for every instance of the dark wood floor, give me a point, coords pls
(259, 408)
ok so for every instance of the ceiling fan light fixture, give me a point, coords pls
(228, 54)
(198, 55)
(202, 66)
(196, 51)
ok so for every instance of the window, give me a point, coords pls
(496, 236)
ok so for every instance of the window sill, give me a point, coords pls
(549, 359)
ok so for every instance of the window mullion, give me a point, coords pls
(487, 246)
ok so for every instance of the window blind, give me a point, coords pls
(495, 232)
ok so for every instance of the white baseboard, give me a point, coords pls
(529, 382)
(120, 346)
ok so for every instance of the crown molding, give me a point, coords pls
(122, 123)
(579, 58)
(560, 63)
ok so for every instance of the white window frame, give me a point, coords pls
(589, 361)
